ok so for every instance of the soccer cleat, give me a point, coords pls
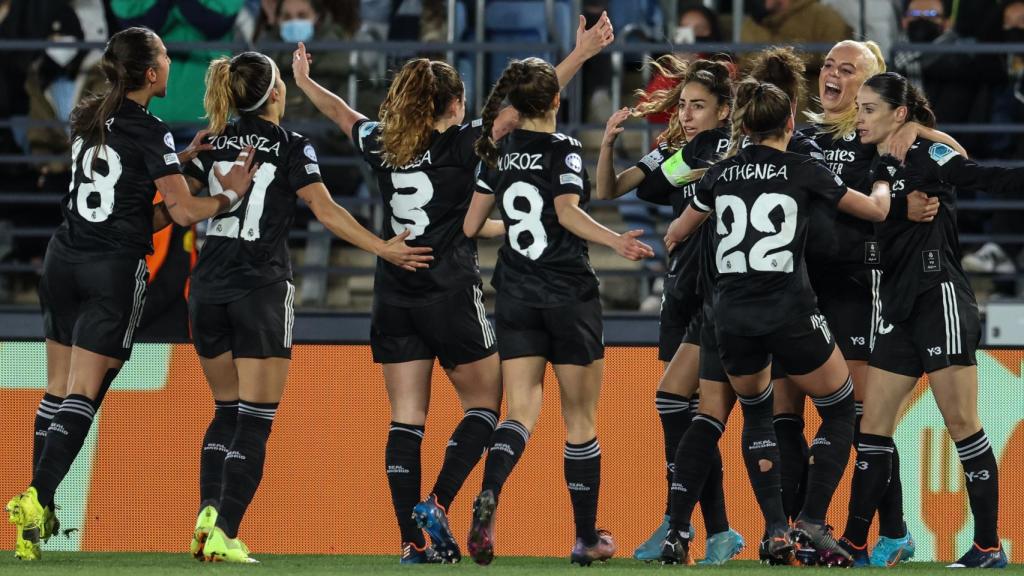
(858, 553)
(430, 516)
(481, 531)
(978, 557)
(600, 552)
(805, 554)
(676, 549)
(776, 548)
(51, 525)
(25, 512)
(722, 547)
(651, 549)
(205, 523)
(411, 554)
(819, 536)
(890, 552)
(220, 548)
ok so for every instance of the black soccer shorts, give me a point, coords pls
(454, 330)
(799, 347)
(710, 361)
(943, 330)
(93, 305)
(849, 302)
(258, 325)
(569, 334)
(676, 324)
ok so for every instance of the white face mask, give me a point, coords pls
(684, 35)
(62, 56)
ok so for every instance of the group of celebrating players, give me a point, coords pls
(844, 233)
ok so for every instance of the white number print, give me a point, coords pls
(409, 207)
(102, 184)
(765, 255)
(229, 226)
(528, 221)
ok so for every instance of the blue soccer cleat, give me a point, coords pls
(860, 556)
(650, 550)
(411, 554)
(722, 547)
(431, 517)
(889, 552)
(978, 557)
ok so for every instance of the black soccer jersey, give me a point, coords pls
(668, 182)
(762, 200)
(541, 263)
(919, 256)
(855, 245)
(429, 197)
(108, 210)
(246, 247)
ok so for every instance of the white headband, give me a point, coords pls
(273, 82)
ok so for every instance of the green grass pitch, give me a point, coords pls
(129, 564)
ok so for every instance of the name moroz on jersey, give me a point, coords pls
(762, 200)
(670, 180)
(918, 256)
(429, 197)
(540, 263)
(108, 211)
(246, 247)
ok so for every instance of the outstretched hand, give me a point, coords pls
(592, 41)
(631, 248)
(614, 126)
(300, 63)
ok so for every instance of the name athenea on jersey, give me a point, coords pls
(753, 172)
(518, 161)
(260, 143)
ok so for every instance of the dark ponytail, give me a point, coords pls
(530, 86)
(897, 91)
(761, 112)
(127, 57)
(782, 67)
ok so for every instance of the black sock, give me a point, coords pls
(761, 456)
(712, 497)
(216, 444)
(47, 409)
(64, 439)
(243, 464)
(891, 523)
(830, 451)
(870, 479)
(982, 479)
(465, 448)
(507, 445)
(694, 468)
(583, 477)
(402, 458)
(789, 429)
(674, 413)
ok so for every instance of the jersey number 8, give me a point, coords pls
(228, 226)
(528, 221)
(765, 255)
(101, 184)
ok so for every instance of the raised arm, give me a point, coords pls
(328, 103)
(186, 209)
(911, 131)
(575, 220)
(341, 223)
(589, 43)
(609, 184)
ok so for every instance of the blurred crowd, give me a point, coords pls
(41, 87)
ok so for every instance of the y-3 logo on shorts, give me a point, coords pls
(935, 351)
(858, 340)
(818, 322)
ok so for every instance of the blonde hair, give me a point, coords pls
(845, 122)
(235, 85)
(419, 95)
(673, 68)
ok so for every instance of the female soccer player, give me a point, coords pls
(701, 99)
(929, 320)
(548, 308)
(422, 155)
(764, 307)
(241, 291)
(94, 274)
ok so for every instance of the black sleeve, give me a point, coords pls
(364, 139)
(484, 179)
(826, 183)
(704, 196)
(961, 172)
(465, 142)
(303, 168)
(156, 144)
(567, 176)
(652, 161)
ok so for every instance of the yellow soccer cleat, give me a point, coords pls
(25, 512)
(205, 524)
(51, 525)
(220, 548)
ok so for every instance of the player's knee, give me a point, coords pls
(961, 425)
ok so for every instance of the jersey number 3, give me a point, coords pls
(227, 225)
(765, 255)
(409, 207)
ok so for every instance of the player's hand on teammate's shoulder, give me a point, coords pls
(410, 258)
(239, 177)
(630, 247)
(195, 147)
